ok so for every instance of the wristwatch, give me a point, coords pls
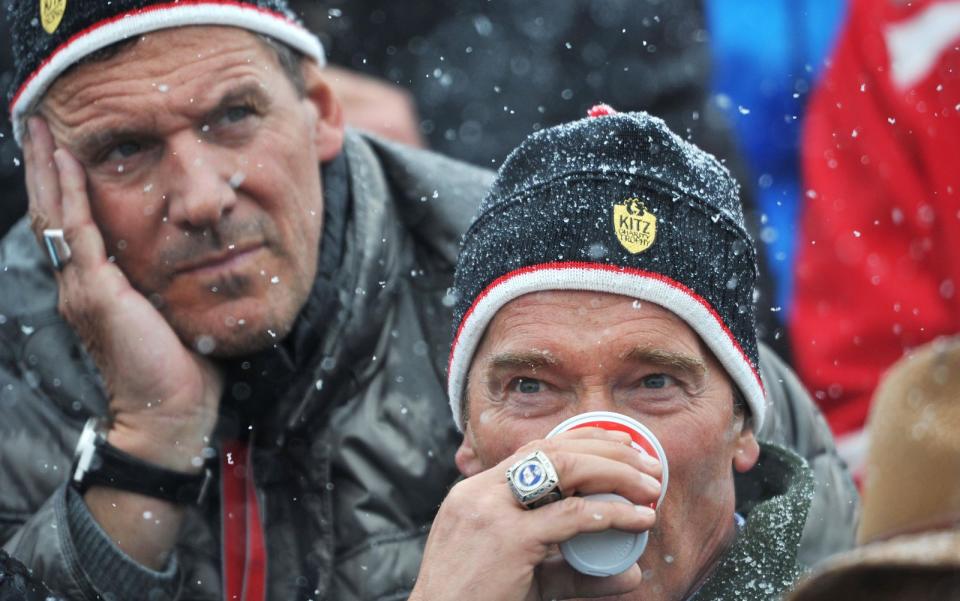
(96, 462)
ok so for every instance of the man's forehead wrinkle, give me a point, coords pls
(76, 92)
(150, 66)
(109, 114)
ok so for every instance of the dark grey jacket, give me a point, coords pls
(352, 470)
(794, 422)
(351, 474)
(762, 564)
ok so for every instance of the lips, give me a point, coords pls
(225, 259)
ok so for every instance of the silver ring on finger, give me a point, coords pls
(533, 481)
(57, 248)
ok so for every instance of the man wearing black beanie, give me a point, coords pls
(609, 271)
(249, 362)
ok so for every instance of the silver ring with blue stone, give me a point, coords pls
(533, 481)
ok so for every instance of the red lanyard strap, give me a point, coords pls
(244, 550)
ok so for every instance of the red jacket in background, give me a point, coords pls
(878, 267)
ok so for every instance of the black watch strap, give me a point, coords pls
(106, 465)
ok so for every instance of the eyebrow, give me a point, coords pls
(247, 92)
(692, 367)
(523, 360)
(90, 145)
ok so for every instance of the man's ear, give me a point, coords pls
(328, 129)
(746, 450)
(467, 460)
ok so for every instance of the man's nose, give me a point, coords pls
(596, 397)
(201, 187)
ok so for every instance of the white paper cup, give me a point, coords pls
(612, 551)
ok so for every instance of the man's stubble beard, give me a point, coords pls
(210, 333)
(220, 334)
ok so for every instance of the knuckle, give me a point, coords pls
(482, 513)
(71, 232)
(462, 495)
(68, 307)
(38, 221)
(464, 505)
(623, 454)
(631, 457)
(535, 445)
(564, 463)
(458, 493)
(571, 506)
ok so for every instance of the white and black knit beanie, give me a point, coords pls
(615, 203)
(49, 36)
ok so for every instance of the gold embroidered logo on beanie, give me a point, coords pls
(51, 13)
(634, 225)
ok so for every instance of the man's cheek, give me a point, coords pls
(496, 439)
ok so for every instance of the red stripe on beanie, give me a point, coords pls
(608, 268)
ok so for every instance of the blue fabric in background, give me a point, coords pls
(767, 56)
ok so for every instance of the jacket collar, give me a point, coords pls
(762, 563)
(331, 343)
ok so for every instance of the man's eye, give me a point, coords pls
(124, 150)
(528, 386)
(657, 381)
(235, 114)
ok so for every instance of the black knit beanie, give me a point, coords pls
(620, 204)
(49, 36)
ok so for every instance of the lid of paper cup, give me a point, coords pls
(606, 553)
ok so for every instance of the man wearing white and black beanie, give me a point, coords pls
(222, 367)
(614, 204)
(609, 270)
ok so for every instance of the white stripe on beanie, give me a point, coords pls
(633, 283)
(161, 16)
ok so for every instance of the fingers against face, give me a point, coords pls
(86, 242)
(43, 181)
(56, 184)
